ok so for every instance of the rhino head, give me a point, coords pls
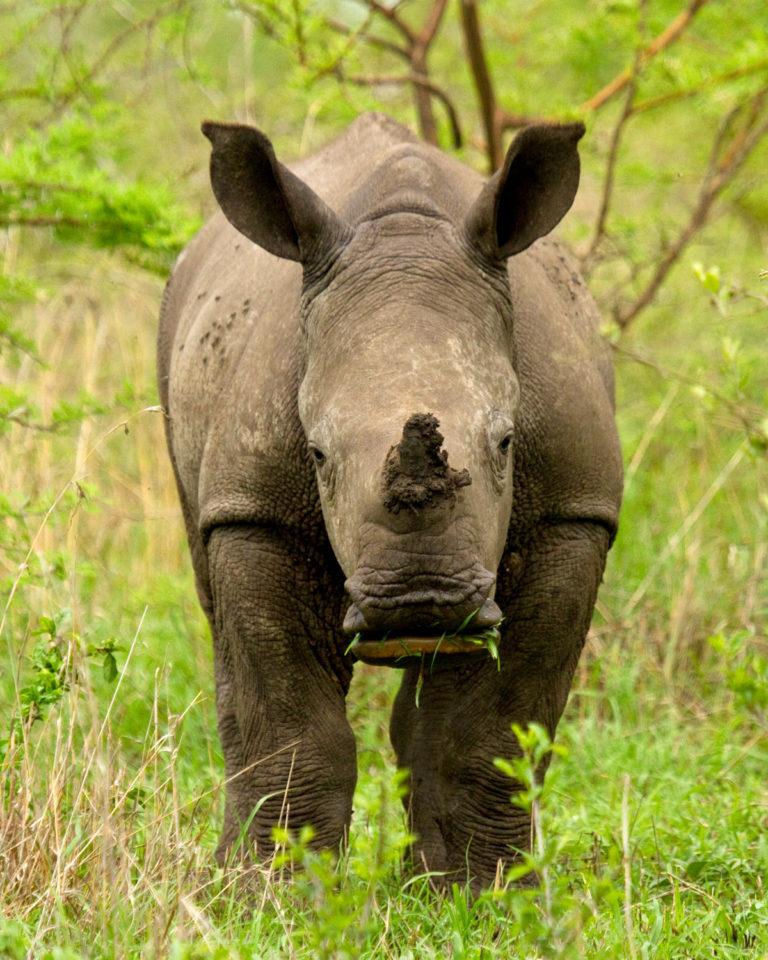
(409, 397)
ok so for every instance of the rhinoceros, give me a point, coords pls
(390, 415)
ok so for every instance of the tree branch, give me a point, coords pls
(478, 63)
(371, 38)
(661, 101)
(723, 167)
(610, 171)
(661, 42)
(421, 91)
(390, 13)
(416, 80)
(613, 152)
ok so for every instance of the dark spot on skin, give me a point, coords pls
(181, 347)
(205, 337)
(233, 316)
(216, 342)
(217, 297)
(201, 295)
(205, 361)
(416, 472)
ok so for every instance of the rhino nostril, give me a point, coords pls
(488, 615)
(354, 621)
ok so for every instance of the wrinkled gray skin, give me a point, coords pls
(302, 347)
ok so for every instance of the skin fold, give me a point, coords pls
(389, 412)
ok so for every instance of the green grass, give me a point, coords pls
(652, 832)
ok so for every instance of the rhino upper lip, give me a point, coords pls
(373, 588)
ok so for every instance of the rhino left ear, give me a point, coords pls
(531, 193)
(265, 201)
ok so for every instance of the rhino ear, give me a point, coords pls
(530, 194)
(265, 201)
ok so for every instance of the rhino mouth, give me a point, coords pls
(430, 604)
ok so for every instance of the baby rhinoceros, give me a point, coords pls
(390, 416)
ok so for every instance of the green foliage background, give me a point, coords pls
(653, 823)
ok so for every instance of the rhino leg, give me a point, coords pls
(289, 751)
(459, 804)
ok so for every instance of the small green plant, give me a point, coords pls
(332, 898)
(550, 911)
(746, 675)
(53, 666)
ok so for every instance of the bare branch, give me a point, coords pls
(111, 48)
(661, 101)
(371, 38)
(432, 23)
(301, 50)
(724, 165)
(661, 42)
(416, 80)
(610, 171)
(419, 50)
(390, 13)
(19, 220)
(489, 110)
(613, 151)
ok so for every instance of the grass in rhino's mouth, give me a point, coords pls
(463, 637)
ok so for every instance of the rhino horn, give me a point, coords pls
(416, 473)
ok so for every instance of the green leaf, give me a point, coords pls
(109, 667)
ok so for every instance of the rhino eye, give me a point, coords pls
(506, 444)
(317, 455)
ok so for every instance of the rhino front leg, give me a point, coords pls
(459, 804)
(280, 687)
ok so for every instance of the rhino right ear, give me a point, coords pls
(530, 194)
(265, 201)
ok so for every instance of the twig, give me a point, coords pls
(416, 80)
(478, 63)
(372, 38)
(661, 42)
(720, 173)
(390, 13)
(613, 154)
(114, 44)
(301, 50)
(414, 51)
(747, 416)
(419, 49)
(662, 100)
